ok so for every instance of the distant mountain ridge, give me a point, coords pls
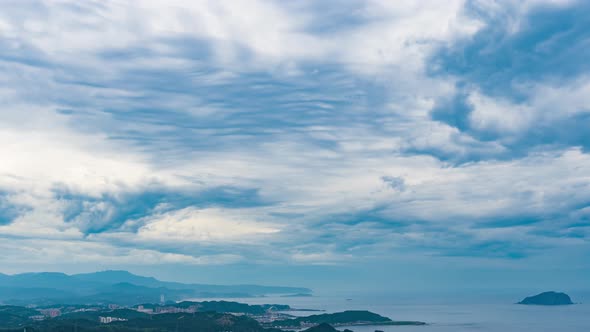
(118, 276)
(117, 287)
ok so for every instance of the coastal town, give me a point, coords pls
(264, 314)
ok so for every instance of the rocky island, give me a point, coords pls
(548, 298)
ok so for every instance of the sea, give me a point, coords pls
(448, 312)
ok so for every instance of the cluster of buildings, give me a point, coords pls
(55, 312)
(51, 312)
(145, 310)
(46, 313)
(106, 320)
(270, 317)
(167, 309)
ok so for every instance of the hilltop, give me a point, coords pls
(345, 318)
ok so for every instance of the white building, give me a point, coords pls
(106, 320)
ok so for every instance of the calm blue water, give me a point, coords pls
(463, 314)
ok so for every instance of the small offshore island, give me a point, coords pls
(548, 298)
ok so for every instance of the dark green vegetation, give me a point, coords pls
(352, 317)
(19, 316)
(321, 328)
(85, 318)
(324, 328)
(95, 315)
(154, 316)
(15, 316)
(116, 287)
(206, 322)
(235, 307)
(184, 316)
(548, 298)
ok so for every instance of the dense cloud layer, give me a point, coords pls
(271, 132)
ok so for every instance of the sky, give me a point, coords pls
(336, 145)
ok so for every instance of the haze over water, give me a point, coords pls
(460, 312)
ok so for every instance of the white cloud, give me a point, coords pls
(26, 254)
(399, 34)
(547, 105)
(203, 226)
(499, 116)
(320, 258)
(402, 34)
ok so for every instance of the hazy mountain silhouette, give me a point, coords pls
(120, 287)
